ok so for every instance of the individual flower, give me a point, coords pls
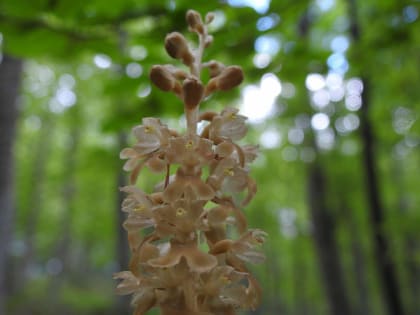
(245, 248)
(228, 125)
(189, 151)
(180, 218)
(129, 284)
(139, 209)
(191, 185)
(161, 286)
(220, 277)
(250, 152)
(197, 261)
(228, 176)
(152, 136)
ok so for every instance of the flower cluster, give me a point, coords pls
(189, 238)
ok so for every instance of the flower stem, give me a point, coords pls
(195, 70)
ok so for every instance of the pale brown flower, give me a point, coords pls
(189, 151)
(228, 176)
(220, 277)
(152, 138)
(180, 218)
(191, 185)
(196, 260)
(228, 125)
(245, 248)
(129, 284)
(139, 209)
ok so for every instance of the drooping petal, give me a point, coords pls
(202, 190)
(199, 261)
(136, 222)
(144, 300)
(130, 165)
(157, 164)
(172, 258)
(128, 153)
(221, 247)
(129, 283)
(174, 190)
(251, 256)
(225, 149)
(138, 195)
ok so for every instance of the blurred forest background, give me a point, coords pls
(332, 94)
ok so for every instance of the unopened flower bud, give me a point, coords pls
(210, 17)
(214, 67)
(228, 78)
(194, 21)
(162, 78)
(177, 47)
(193, 92)
(178, 73)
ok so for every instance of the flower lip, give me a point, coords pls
(196, 259)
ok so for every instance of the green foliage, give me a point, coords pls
(60, 39)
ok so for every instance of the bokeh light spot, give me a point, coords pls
(270, 139)
(314, 82)
(320, 121)
(134, 70)
(102, 61)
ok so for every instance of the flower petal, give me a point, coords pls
(174, 190)
(172, 258)
(199, 261)
(202, 190)
(128, 153)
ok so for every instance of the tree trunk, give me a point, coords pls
(326, 247)
(358, 260)
(385, 265)
(383, 259)
(34, 204)
(409, 242)
(10, 79)
(300, 280)
(63, 247)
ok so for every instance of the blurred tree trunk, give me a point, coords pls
(275, 298)
(322, 219)
(300, 279)
(324, 234)
(122, 251)
(410, 243)
(34, 205)
(62, 250)
(358, 259)
(10, 79)
(384, 261)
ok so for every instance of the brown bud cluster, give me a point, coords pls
(185, 260)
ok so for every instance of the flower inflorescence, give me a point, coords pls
(186, 258)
